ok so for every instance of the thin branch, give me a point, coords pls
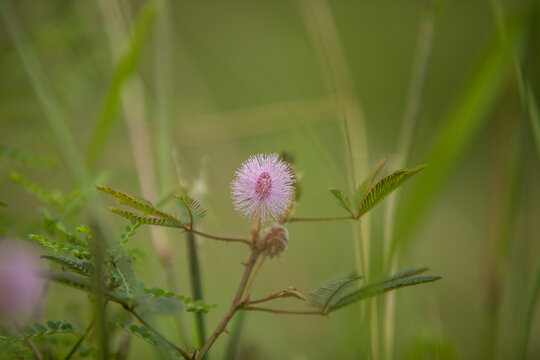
(330, 218)
(81, 339)
(236, 304)
(184, 353)
(277, 311)
(255, 272)
(221, 238)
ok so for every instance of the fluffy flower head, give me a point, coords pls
(263, 187)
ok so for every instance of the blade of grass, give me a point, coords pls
(413, 105)
(58, 124)
(337, 75)
(164, 92)
(461, 125)
(124, 69)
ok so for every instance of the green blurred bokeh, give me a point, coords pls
(231, 79)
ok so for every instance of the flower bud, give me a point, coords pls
(275, 241)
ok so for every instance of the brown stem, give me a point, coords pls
(277, 311)
(331, 218)
(228, 239)
(236, 304)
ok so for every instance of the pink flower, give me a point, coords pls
(20, 286)
(263, 187)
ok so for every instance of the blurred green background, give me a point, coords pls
(180, 85)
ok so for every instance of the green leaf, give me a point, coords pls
(126, 66)
(77, 251)
(40, 328)
(393, 282)
(131, 230)
(148, 220)
(83, 284)
(187, 302)
(192, 210)
(82, 268)
(463, 123)
(342, 199)
(23, 158)
(17, 335)
(53, 325)
(384, 187)
(149, 337)
(137, 203)
(124, 275)
(367, 183)
(324, 295)
(28, 330)
(45, 196)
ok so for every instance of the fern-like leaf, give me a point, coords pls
(325, 294)
(137, 203)
(145, 334)
(82, 268)
(191, 210)
(187, 302)
(149, 220)
(77, 251)
(124, 276)
(384, 187)
(377, 288)
(368, 182)
(342, 199)
(83, 284)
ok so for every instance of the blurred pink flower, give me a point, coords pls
(20, 286)
(263, 187)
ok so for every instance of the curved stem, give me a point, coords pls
(330, 218)
(277, 311)
(213, 237)
(236, 304)
(81, 339)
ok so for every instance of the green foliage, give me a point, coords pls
(45, 196)
(343, 200)
(76, 250)
(187, 302)
(124, 279)
(325, 294)
(84, 284)
(148, 220)
(14, 350)
(82, 268)
(159, 217)
(367, 183)
(191, 210)
(399, 280)
(384, 187)
(126, 66)
(137, 203)
(20, 157)
(145, 334)
(131, 230)
(27, 332)
(13, 345)
(368, 195)
(65, 204)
